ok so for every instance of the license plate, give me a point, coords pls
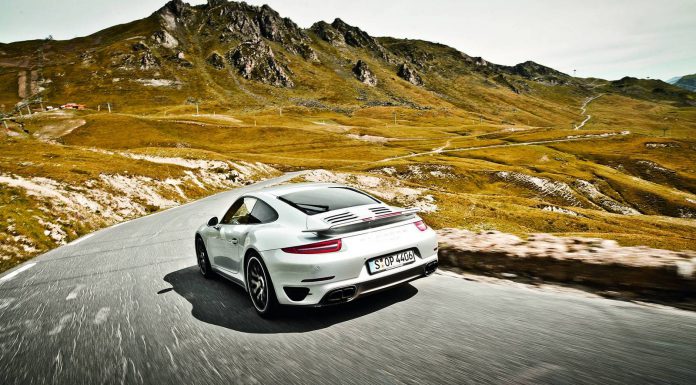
(392, 261)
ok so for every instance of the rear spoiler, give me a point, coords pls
(409, 211)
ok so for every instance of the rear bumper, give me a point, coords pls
(351, 292)
(316, 294)
(312, 279)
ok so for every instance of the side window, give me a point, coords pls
(262, 213)
(238, 214)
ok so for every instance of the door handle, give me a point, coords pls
(233, 241)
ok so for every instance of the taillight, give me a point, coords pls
(316, 248)
(421, 225)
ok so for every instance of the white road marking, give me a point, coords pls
(101, 316)
(73, 294)
(78, 240)
(16, 272)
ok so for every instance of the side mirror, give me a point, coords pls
(213, 221)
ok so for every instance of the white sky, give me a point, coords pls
(601, 38)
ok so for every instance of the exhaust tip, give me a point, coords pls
(431, 267)
(340, 295)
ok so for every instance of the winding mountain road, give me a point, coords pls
(126, 305)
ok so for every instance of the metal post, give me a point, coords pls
(108, 105)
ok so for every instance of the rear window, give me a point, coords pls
(321, 200)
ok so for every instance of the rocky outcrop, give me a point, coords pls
(354, 36)
(165, 39)
(280, 29)
(174, 12)
(363, 73)
(409, 74)
(254, 60)
(148, 61)
(216, 60)
(603, 201)
(240, 21)
(234, 22)
(340, 34)
(328, 33)
(544, 187)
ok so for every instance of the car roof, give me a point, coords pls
(279, 190)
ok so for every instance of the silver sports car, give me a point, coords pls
(314, 244)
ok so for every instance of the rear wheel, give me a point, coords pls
(202, 259)
(260, 287)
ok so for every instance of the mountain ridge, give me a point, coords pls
(227, 53)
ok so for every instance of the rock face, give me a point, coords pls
(240, 21)
(216, 60)
(165, 39)
(363, 73)
(340, 34)
(329, 34)
(255, 61)
(410, 75)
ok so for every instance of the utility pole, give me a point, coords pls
(196, 107)
(108, 105)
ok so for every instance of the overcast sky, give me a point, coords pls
(601, 38)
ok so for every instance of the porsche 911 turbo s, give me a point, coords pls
(314, 244)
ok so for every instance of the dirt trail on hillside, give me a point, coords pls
(583, 108)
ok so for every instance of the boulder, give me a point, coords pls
(362, 72)
(148, 61)
(410, 75)
(216, 60)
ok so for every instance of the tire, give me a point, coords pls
(202, 259)
(260, 287)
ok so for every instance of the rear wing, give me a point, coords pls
(328, 227)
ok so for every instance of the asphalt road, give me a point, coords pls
(127, 305)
